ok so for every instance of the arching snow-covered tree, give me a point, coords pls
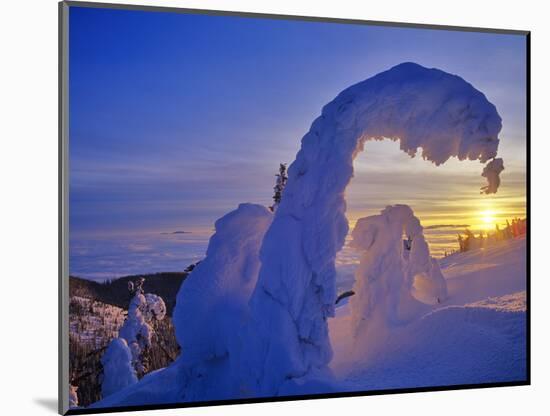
(422, 108)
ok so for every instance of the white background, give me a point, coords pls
(28, 210)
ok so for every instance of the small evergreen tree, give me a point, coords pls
(279, 187)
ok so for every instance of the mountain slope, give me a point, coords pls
(116, 293)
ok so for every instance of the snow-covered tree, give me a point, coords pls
(118, 370)
(212, 304)
(135, 336)
(137, 329)
(394, 281)
(422, 108)
(279, 187)
(73, 397)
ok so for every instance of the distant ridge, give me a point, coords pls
(436, 226)
(116, 293)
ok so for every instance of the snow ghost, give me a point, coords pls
(212, 304)
(126, 356)
(137, 329)
(424, 109)
(118, 371)
(396, 273)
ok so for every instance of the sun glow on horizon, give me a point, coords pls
(488, 218)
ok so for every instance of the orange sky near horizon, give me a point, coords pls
(439, 195)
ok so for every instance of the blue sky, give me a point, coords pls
(175, 119)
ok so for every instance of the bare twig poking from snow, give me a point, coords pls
(422, 108)
(391, 269)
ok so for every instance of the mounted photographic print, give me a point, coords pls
(265, 208)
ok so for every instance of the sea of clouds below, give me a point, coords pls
(109, 257)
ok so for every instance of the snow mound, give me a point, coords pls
(422, 108)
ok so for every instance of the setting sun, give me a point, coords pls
(488, 218)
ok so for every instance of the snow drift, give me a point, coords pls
(422, 108)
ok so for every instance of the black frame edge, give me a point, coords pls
(279, 399)
(528, 201)
(181, 10)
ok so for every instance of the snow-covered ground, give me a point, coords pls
(477, 335)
